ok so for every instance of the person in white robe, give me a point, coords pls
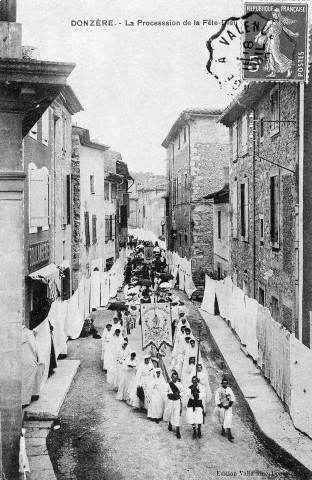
(113, 348)
(224, 399)
(182, 321)
(176, 346)
(195, 410)
(182, 351)
(188, 372)
(141, 382)
(156, 395)
(117, 324)
(203, 378)
(191, 350)
(106, 336)
(127, 375)
(123, 353)
(172, 411)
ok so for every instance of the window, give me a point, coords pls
(234, 142)
(184, 134)
(92, 184)
(106, 191)
(275, 110)
(34, 131)
(219, 224)
(94, 239)
(244, 197)
(246, 284)
(261, 128)
(185, 240)
(234, 203)
(110, 227)
(274, 308)
(179, 142)
(185, 185)
(66, 199)
(261, 296)
(87, 229)
(38, 198)
(261, 229)
(180, 239)
(274, 207)
(144, 211)
(45, 127)
(245, 134)
(113, 191)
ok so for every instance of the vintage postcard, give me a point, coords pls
(155, 239)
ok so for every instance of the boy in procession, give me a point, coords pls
(172, 411)
(224, 399)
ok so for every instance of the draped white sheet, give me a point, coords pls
(95, 290)
(104, 288)
(43, 341)
(73, 323)
(32, 370)
(209, 296)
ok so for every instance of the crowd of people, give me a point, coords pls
(142, 385)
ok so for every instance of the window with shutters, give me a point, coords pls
(261, 229)
(92, 184)
(33, 132)
(68, 198)
(106, 191)
(261, 128)
(87, 229)
(274, 111)
(45, 123)
(94, 239)
(234, 203)
(38, 198)
(244, 210)
(274, 210)
(234, 142)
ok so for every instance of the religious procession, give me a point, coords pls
(147, 384)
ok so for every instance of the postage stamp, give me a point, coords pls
(275, 41)
(269, 41)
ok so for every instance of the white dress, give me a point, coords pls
(105, 341)
(112, 354)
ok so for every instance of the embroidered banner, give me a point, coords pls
(156, 325)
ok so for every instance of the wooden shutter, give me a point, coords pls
(234, 200)
(234, 141)
(87, 229)
(68, 198)
(39, 198)
(45, 127)
(94, 239)
(64, 200)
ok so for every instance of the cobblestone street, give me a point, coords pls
(103, 438)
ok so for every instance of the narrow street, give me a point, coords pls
(103, 438)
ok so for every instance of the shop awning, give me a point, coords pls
(50, 272)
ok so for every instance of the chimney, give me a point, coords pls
(10, 31)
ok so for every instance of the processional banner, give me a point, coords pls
(156, 325)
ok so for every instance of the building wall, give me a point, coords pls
(260, 263)
(92, 163)
(196, 163)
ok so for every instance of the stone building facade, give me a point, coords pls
(100, 205)
(197, 149)
(48, 212)
(264, 196)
